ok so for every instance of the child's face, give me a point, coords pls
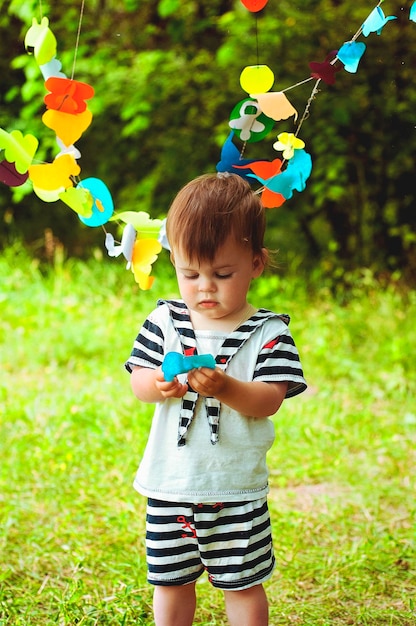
(217, 290)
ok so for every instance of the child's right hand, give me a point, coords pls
(172, 389)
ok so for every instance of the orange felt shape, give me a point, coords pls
(67, 95)
(67, 127)
(271, 199)
(265, 169)
(275, 105)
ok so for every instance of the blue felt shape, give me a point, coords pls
(350, 55)
(412, 14)
(375, 22)
(103, 206)
(230, 156)
(176, 363)
(294, 177)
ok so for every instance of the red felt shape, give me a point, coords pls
(325, 70)
(67, 95)
(10, 176)
(254, 5)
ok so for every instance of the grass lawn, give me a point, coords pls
(71, 435)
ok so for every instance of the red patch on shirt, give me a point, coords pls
(271, 344)
(190, 351)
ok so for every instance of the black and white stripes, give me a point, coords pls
(231, 541)
(278, 359)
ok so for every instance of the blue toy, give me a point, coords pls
(176, 363)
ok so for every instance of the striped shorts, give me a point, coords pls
(232, 541)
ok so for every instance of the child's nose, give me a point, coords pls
(206, 284)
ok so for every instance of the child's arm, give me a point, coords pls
(258, 399)
(149, 385)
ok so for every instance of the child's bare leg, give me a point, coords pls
(174, 606)
(248, 607)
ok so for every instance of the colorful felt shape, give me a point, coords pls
(231, 160)
(40, 41)
(143, 224)
(67, 95)
(294, 177)
(103, 206)
(327, 69)
(376, 21)
(54, 176)
(266, 170)
(67, 127)
(68, 149)
(271, 199)
(275, 105)
(254, 5)
(52, 68)
(288, 143)
(412, 13)
(10, 176)
(249, 122)
(18, 148)
(125, 247)
(256, 78)
(78, 199)
(176, 363)
(350, 55)
(162, 237)
(145, 253)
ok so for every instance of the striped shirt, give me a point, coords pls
(261, 349)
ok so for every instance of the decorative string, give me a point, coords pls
(315, 88)
(81, 14)
(334, 60)
(257, 39)
(314, 91)
(308, 106)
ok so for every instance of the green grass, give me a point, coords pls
(71, 435)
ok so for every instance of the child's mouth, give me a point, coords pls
(208, 304)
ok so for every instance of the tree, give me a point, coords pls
(166, 76)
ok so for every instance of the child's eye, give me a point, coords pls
(191, 276)
(223, 276)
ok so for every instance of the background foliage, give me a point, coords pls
(166, 76)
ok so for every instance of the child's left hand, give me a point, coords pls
(207, 382)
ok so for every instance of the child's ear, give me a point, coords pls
(259, 263)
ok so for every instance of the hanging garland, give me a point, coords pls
(254, 117)
(251, 120)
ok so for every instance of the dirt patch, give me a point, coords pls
(307, 497)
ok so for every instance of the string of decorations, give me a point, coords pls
(251, 120)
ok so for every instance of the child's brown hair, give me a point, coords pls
(208, 210)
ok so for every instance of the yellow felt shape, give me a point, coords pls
(288, 143)
(145, 253)
(68, 127)
(275, 104)
(256, 78)
(56, 175)
(18, 149)
(48, 195)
